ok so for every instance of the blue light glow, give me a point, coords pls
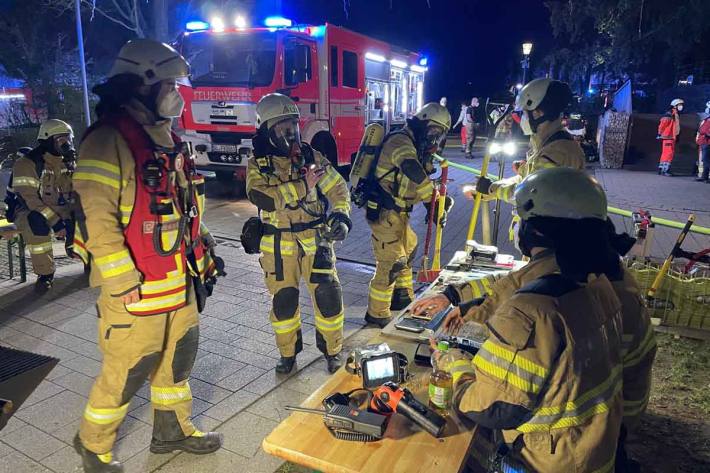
(423, 61)
(197, 25)
(591, 91)
(277, 21)
(317, 31)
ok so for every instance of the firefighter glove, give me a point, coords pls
(483, 185)
(448, 203)
(340, 225)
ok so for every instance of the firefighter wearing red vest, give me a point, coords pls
(42, 187)
(668, 131)
(139, 222)
(402, 175)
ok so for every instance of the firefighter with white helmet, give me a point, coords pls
(139, 221)
(304, 208)
(402, 180)
(541, 103)
(42, 196)
(668, 131)
(548, 380)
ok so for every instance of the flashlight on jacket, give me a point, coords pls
(390, 398)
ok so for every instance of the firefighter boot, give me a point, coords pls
(199, 443)
(379, 321)
(94, 463)
(44, 283)
(285, 364)
(333, 362)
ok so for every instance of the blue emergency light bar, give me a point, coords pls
(277, 22)
(197, 25)
(423, 61)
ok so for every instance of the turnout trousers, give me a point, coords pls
(283, 274)
(161, 348)
(40, 246)
(394, 244)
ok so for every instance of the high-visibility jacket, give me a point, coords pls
(638, 339)
(638, 348)
(702, 138)
(669, 126)
(277, 188)
(550, 147)
(548, 379)
(49, 193)
(400, 173)
(138, 236)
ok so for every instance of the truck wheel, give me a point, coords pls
(229, 185)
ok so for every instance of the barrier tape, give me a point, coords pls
(614, 210)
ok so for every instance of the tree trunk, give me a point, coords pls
(160, 20)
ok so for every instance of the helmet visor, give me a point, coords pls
(433, 137)
(285, 134)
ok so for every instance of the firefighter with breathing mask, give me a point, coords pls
(41, 198)
(304, 208)
(401, 181)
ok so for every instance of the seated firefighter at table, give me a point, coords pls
(293, 186)
(547, 382)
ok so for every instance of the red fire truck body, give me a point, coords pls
(340, 80)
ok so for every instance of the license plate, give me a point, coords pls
(223, 112)
(218, 148)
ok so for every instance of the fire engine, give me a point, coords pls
(341, 81)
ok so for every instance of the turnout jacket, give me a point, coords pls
(277, 188)
(401, 174)
(550, 147)
(548, 379)
(117, 221)
(48, 193)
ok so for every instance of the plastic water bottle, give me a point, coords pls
(440, 381)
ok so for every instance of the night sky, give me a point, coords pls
(474, 46)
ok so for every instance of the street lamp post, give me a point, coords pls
(82, 63)
(527, 49)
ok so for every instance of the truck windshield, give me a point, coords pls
(246, 60)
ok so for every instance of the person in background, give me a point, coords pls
(42, 186)
(668, 131)
(702, 139)
(443, 101)
(462, 117)
(470, 124)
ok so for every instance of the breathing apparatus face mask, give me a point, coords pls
(169, 103)
(285, 136)
(431, 139)
(525, 123)
(63, 145)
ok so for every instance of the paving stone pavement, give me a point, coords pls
(236, 390)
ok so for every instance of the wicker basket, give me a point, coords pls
(682, 299)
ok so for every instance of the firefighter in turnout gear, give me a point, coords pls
(139, 221)
(402, 178)
(42, 185)
(541, 103)
(547, 383)
(304, 207)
